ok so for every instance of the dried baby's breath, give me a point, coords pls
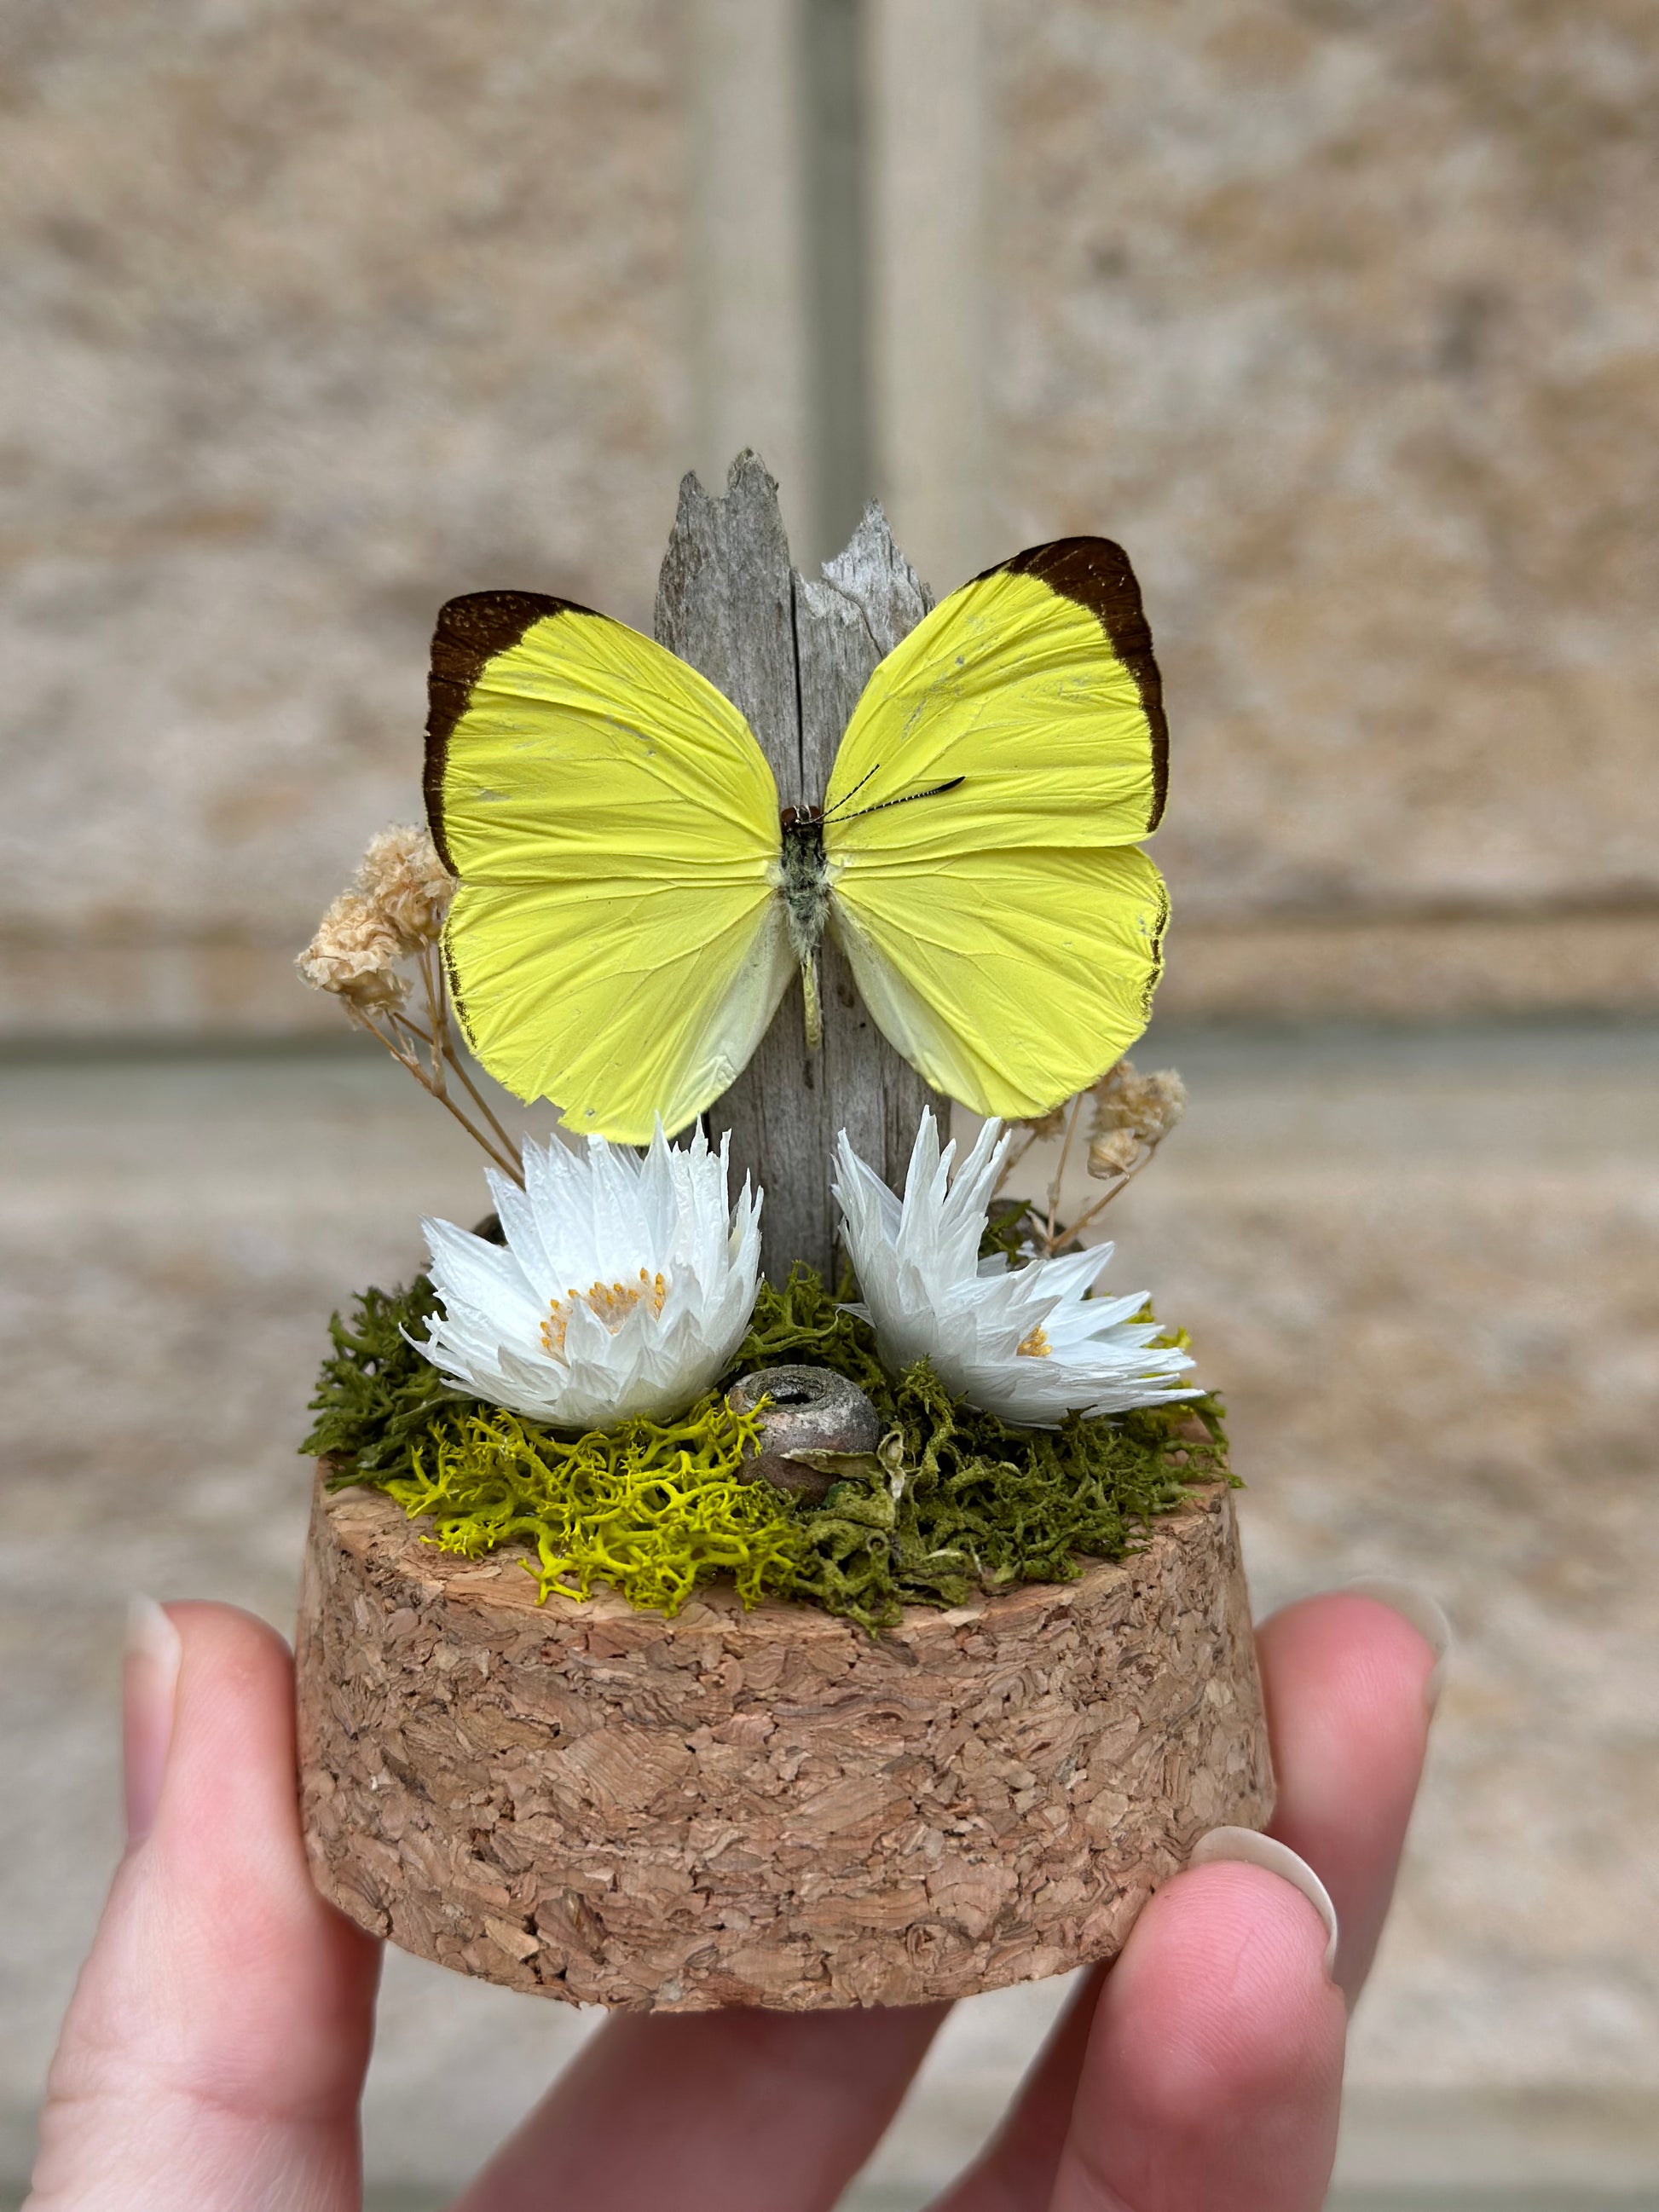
(1114, 1154)
(1146, 1106)
(407, 884)
(1130, 1116)
(376, 945)
(354, 954)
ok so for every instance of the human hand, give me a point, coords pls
(214, 2050)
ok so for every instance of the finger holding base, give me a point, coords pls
(215, 2046)
(1346, 1679)
(1213, 2071)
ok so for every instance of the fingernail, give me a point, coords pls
(1424, 1613)
(150, 1679)
(1246, 1848)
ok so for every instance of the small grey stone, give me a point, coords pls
(813, 1409)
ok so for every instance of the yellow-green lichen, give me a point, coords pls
(653, 1508)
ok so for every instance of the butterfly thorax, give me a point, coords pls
(803, 879)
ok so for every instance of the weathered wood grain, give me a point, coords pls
(794, 654)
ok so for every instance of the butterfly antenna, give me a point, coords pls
(904, 797)
(852, 793)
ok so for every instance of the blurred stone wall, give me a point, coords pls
(1340, 315)
(315, 316)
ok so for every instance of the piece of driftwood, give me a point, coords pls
(794, 654)
(771, 1808)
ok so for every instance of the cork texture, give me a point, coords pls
(765, 1809)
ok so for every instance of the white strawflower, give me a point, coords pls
(1023, 1343)
(624, 1285)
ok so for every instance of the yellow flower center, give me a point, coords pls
(1036, 1346)
(612, 1302)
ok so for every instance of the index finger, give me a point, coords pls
(1349, 1681)
(1345, 1679)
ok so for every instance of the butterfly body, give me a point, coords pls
(634, 901)
(803, 882)
(803, 877)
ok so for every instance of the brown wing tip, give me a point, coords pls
(1095, 573)
(470, 632)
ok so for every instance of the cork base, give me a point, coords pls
(771, 1808)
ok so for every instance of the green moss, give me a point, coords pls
(377, 1400)
(956, 1503)
(981, 1506)
(653, 1508)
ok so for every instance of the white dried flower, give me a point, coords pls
(624, 1285)
(407, 885)
(1114, 1154)
(354, 955)
(1025, 1343)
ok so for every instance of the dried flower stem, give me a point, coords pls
(1073, 1115)
(1053, 1242)
(437, 1013)
(458, 1061)
(442, 1055)
(484, 1107)
(431, 1080)
(1017, 1152)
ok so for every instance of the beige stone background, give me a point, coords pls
(1342, 317)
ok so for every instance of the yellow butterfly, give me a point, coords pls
(632, 905)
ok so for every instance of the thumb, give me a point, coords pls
(216, 2045)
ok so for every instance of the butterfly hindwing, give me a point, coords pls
(1014, 998)
(1004, 930)
(616, 944)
